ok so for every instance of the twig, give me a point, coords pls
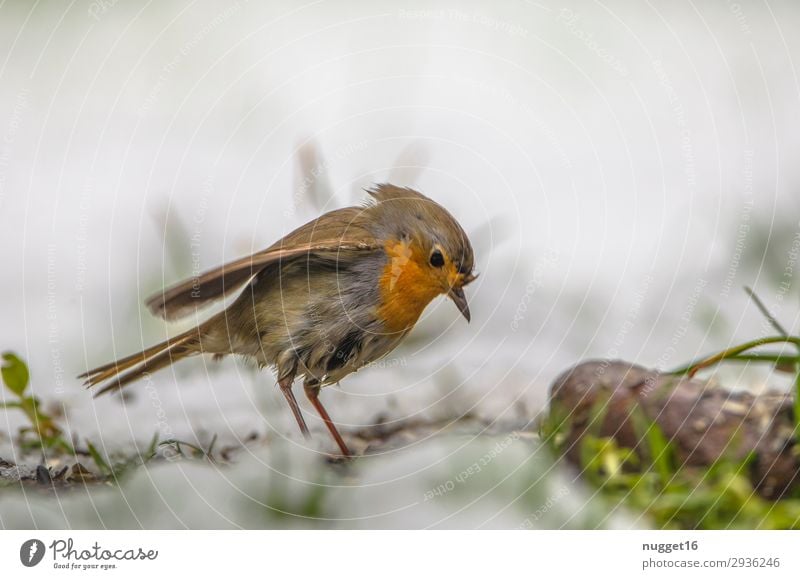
(765, 312)
(732, 353)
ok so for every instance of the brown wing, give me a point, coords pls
(332, 232)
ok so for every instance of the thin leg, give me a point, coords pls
(286, 388)
(312, 393)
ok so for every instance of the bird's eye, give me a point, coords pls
(437, 259)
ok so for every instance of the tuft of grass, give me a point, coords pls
(669, 493)
(42, 431)
(98, 459)
(194, 451)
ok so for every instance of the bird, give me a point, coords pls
(327, 299)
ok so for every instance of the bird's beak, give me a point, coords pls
(458, 297)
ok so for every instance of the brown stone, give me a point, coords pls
(703, 422)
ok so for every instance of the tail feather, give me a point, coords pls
(126, 370)
(166, 358)
(105, 371)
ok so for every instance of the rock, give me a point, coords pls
(703, 423)
(79, 473)
(43, 475)
(9, 472)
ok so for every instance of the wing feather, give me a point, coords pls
(342, 229)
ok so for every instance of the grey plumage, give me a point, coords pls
(309, 334)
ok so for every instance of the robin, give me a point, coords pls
(332, 296)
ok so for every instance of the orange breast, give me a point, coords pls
(406, 285)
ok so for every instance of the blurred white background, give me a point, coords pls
(623, 168)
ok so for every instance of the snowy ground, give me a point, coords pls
(623, 169)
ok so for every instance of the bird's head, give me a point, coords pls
(429, 254)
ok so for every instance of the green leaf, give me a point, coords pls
(797, 404)
(659, 448)
(98, 459)
(15, 373)
(153, 448)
